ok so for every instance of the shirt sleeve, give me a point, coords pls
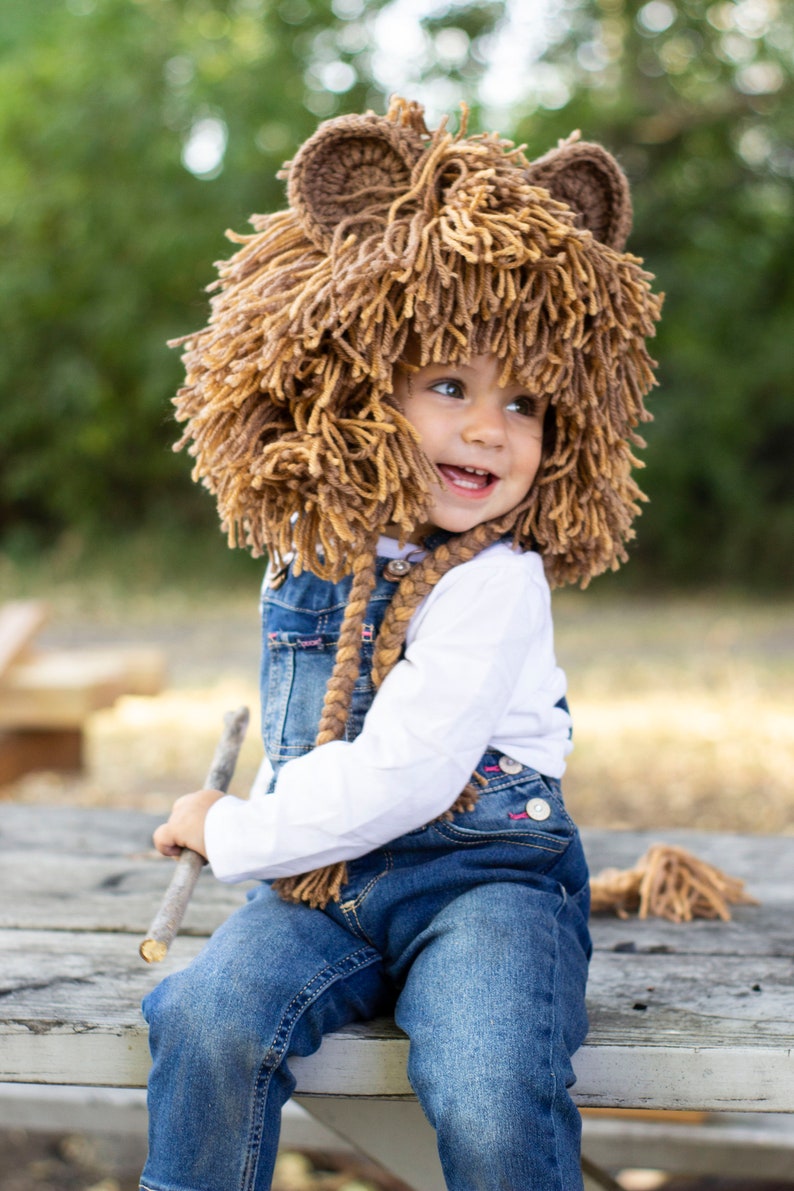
(427, 728)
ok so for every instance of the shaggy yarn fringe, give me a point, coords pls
(287, 400)
(671, 883)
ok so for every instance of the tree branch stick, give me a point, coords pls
(172, 908)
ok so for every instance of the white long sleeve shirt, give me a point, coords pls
(478, 672)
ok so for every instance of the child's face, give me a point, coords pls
(484, 440)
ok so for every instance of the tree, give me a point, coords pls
(131, 135)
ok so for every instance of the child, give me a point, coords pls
(418, 391)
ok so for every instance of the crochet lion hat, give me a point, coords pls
(467, 247)
(400, 242)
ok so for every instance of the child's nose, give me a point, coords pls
(485, 424)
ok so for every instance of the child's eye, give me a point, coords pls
(447, 388)
(528, 407)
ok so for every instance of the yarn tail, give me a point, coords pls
(316, 888)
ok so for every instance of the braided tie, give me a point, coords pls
(323, 884)
(339, 692)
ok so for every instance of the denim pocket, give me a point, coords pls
(299, 666)
(524, 811)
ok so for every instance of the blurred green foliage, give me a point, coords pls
(696, 97)
(133, 132)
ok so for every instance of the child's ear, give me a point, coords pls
(352, 166)
(589, 180)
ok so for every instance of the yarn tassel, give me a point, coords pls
(668, 882)
(316, 888)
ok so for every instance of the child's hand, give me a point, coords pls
(185, 827)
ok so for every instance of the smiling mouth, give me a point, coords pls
(473, 480)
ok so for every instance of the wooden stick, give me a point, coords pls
(172, 908)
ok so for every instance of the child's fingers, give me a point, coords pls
(185, 826)
(165, 842)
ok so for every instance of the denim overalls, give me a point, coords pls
(472, 931)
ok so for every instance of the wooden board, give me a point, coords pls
(23, 750)
(142, 668)
(60, 688)
(734, 1145)
(71, 1015)
(71, 869)
(682, 1017)
(90, 856)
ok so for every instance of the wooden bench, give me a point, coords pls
(697, 1017)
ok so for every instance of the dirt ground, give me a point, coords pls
(683, 717)
(74, 1162)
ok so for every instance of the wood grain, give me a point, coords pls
(697, 1016)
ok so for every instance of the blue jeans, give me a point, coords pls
(473, 932)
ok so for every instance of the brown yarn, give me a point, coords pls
(338, 694)
(589, 181)
(671, 883)
(322, 885)
(352, 191)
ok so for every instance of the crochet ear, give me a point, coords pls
(589, 180)
(353, 167)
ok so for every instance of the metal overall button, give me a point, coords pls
(396, 569)
(538, 809)
(509, 765)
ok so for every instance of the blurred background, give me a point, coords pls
(134, 132)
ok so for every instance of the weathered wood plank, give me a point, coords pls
(701, 1043)
(142, 668)
(75, 830)
(742, 1147)
(69, 868)
(94, 893)
(52, 692)
(695, 1016)
(765, 862)
(644, 1001)
(105, 875)
(60, 688)
(397, 1136)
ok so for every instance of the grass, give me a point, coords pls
(682, 704)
